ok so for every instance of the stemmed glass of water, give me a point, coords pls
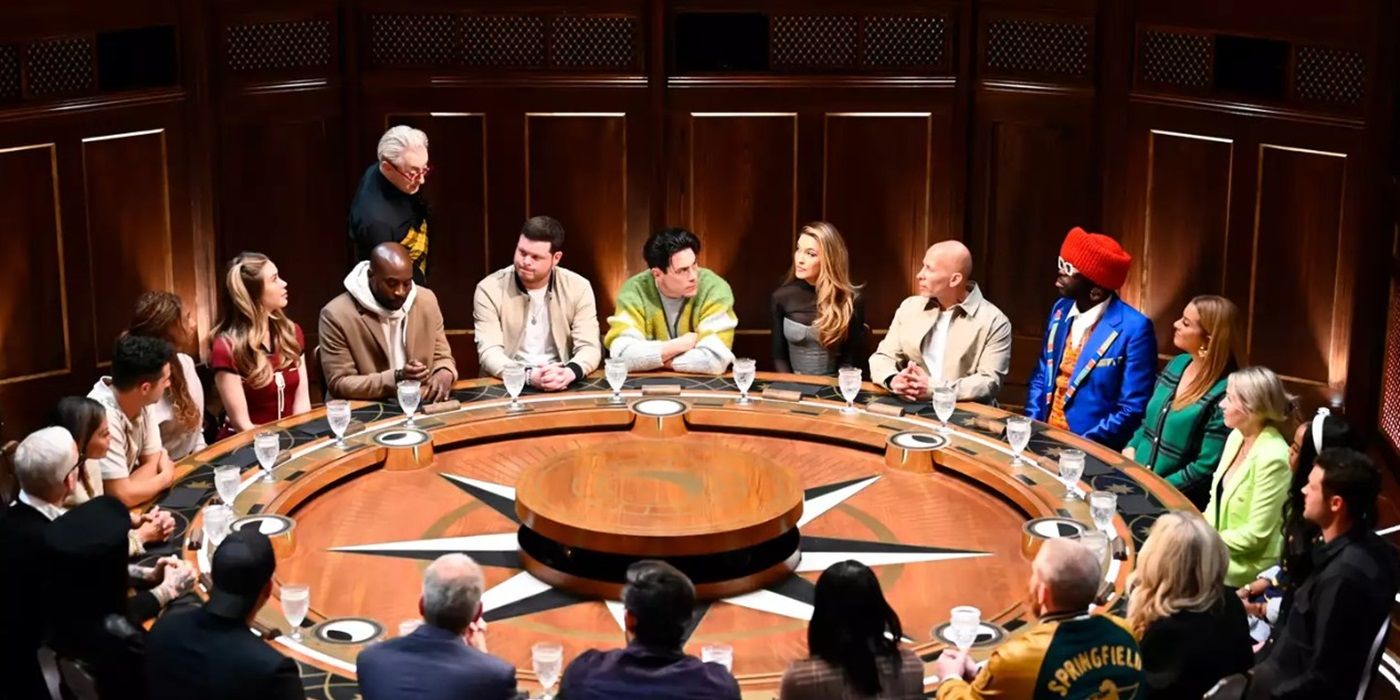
(410, 391)
(226, 480)
(1071, 468)
(338, 415)
(266, 445)
(743, 377)
(296, 600)
(218, 519)
(945, 398)
(1103, 505)
(848, 381)
(547, 659)
(1018, 433)
(962, 626)
(513, 375)
(615, 369)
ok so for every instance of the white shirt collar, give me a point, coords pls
(1089, 316)
(46, 509)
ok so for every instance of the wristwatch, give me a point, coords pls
(529, 371)
(398, 375)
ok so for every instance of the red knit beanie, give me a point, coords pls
(1099, 258)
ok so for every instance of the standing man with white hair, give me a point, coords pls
(445, 658)
(388, 206)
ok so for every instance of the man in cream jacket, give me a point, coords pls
(537, 314)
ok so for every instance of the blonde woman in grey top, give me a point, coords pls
(818, 316)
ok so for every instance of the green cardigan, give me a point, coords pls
(1182, 445)
(1248, 512)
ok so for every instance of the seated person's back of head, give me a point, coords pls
(659, 602)
(435, 662)
(208, 653)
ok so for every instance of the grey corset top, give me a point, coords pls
(805, 353)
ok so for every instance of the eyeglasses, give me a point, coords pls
(417, 174)
(1066, 268)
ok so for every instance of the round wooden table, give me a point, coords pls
(753, 500)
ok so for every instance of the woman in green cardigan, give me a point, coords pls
(1183, 430)
(1251, 484)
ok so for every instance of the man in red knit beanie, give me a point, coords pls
(1099, 357)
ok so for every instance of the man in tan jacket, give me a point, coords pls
(385, 329)
(947, 335)
(537, 314)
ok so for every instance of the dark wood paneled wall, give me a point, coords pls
(998, 122)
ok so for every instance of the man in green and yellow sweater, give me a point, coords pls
(675, 315)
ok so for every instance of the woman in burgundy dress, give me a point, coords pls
(259, 367)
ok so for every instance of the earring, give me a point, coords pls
(1204, 350)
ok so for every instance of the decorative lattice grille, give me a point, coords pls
(9, 73)
(1175, 58)
(907, 41)
(814, 41)
(595, 42)
(503, 41)
(1330, 75)
(414, 40)
(59, 66)
(279, 45)
(1038, 46)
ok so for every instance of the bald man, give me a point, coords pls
(946, 335)
(1068, 653)
(385, 329)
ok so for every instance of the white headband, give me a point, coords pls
(1317, 422)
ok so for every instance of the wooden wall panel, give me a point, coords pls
(1297, 235)
(876, 190)
(128, 216)
(456, 193)
(33, 299)
(1032, 183)
(576, 172)
(1186, 227)
(742, 202)
(276, 199)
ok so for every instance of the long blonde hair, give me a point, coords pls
(1181, 568)
(1218, 318)
(244, 323)
(162, 315)
(835, 293)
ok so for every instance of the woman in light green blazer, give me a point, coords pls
(1250, 485)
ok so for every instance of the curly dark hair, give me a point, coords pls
(137, 359)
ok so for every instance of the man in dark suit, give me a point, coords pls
(46, 469)
(208, 653)
(660, 601)
(435, 662)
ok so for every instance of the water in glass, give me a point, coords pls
(217, 521)
(722, 654)
(743, 377)
(1097, 542)
(296, 600)
(945, 398)
(547, 659)
(338, 415)
(226, 483)
(616, 372)
(962, 629)
(848, 381)
(1103, 505)
(409, 393)
(514, 378)
(1018, 433)
(266, 445)
(1071, 468)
